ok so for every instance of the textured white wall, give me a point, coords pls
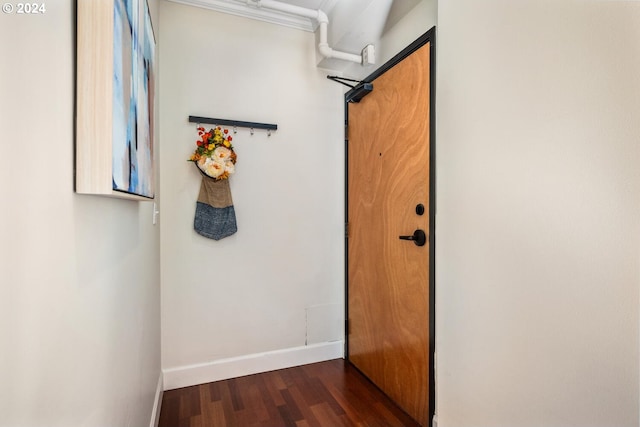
(254, 291)
(538, 213)
(79, 275)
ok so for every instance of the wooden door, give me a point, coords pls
(388, 336)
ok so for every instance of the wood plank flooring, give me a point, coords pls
(326, 394)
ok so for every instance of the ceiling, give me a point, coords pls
(250, 9)
(352, 23)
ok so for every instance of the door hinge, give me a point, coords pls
(346, 230)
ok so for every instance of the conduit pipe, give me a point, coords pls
(323, 20)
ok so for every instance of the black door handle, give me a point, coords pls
(419, 237)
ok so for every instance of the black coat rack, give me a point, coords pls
(235, 123)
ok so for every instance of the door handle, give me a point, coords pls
(419, 237)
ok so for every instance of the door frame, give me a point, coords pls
(428, 37)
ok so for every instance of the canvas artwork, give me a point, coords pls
(133, 98)
(115, 99)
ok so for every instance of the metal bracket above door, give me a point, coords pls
(358, 91)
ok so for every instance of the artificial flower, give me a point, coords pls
(221, 154)
(214, 169)
(214, 153)
(229, 167)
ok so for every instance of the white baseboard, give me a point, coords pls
(184, 376)
(157, 404)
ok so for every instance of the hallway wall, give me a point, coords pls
(538, 220)
(277, 284)
(79, 275)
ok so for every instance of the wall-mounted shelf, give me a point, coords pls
(236, 123)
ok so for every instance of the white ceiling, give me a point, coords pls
(249, 9)
(352, 23)
(398, 9)
(309, 4)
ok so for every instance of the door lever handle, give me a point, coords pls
(419, 237)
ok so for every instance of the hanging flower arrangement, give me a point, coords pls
(214, 153)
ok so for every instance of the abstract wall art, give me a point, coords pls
(115, 99)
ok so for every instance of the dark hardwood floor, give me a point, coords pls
(326, 394)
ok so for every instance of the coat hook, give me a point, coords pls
(269, 132)
(235, 130)
(252, 131)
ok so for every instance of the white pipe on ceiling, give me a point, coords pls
(323, 20)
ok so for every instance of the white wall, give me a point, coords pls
(79, 275)
(538, 221)
(415, 23)
(276, 284)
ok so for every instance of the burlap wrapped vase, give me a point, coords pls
(215, 216)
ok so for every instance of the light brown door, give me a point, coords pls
(388, 278)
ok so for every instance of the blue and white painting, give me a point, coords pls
(133, 98)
